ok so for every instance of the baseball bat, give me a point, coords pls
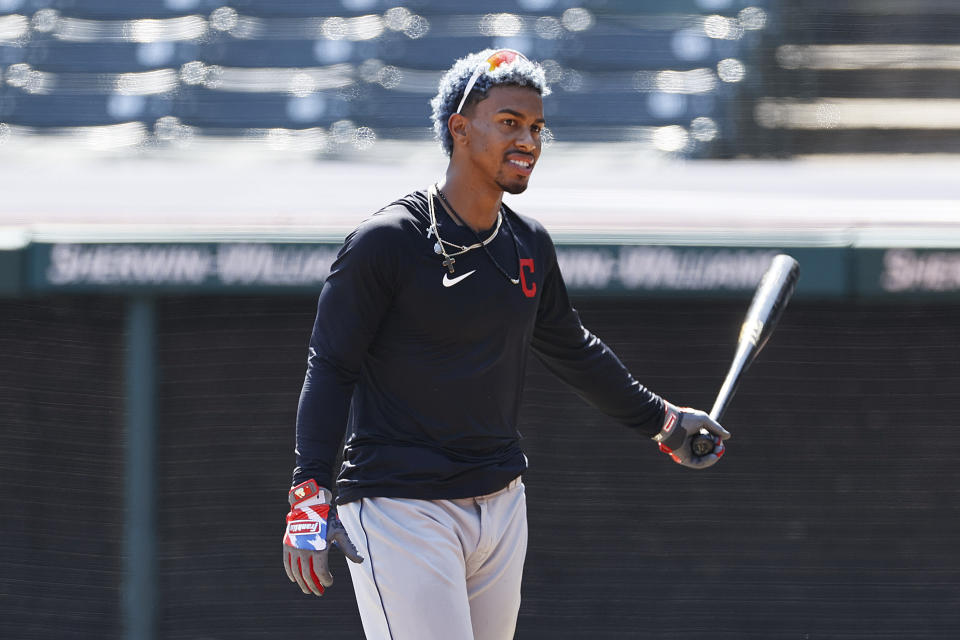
(771, 297)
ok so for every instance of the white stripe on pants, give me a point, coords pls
(439, 569)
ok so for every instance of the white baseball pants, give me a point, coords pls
(439, 569)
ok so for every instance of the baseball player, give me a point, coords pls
(417, 357)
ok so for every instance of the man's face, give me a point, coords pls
(503, 136)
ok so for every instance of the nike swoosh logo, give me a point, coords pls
(449, 282)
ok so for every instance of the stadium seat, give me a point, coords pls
(640, 49)
(132, 9)
(421, 7)
(14, 34)
(437, 52)
(310, 8)
(431, 52)
(6, 101)
(592, 109)
(665, 7)
(49, 54)
(80, 110)
(230, 52)
(212, 109)
(468, 7)
(386, 109)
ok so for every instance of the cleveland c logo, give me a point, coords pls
(531, 289)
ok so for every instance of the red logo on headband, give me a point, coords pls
(504, 56)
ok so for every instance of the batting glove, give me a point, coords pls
(680, 426)
(312, 526)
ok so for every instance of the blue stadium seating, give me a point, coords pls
(14, 33)
(566, 109)
(12, 54)
(132, 9)
(231, 52)
(422, 7)
(23, 7)
(49, 54)
(210, 109)
(603, 55)
(426, 53)
(668, 7)
(310, 8)
(394, 109)
(470, 7)
(611, 47)
(80, 110)
(6, 100)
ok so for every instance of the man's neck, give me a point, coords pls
(476, 205)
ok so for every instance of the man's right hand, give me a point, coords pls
(312, 526)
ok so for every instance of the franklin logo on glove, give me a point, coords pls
(295, 528)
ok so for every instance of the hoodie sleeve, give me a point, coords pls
(353, 300)
(583, 361)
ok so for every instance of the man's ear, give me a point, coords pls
(459, 126)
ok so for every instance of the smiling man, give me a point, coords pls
(417, 358)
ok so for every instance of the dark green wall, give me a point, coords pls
(832, 516)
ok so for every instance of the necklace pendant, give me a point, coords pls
(429, 232)
(448, 263)
(437, 249)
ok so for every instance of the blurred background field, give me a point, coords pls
(701, 78)
(176, 176)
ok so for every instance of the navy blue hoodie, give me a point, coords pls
(422, 370)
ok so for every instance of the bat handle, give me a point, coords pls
(703, 443)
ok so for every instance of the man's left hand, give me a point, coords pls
(680, 426)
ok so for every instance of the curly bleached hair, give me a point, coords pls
(519, 73)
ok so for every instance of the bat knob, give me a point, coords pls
(702, 444)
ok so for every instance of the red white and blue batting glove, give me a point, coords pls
(312, 526)
(680, 426)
